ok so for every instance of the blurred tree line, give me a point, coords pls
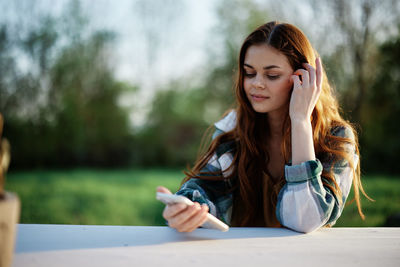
(64, 111)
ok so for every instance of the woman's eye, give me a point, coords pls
(273, 77)
(249, 74)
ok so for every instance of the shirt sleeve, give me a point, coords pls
(199, 190)
(214, 193)
(209, 191)
(304, 203)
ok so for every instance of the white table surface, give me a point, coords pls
(82, 245)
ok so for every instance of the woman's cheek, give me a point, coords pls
(289, 80)
(246, 85)
(288, 84)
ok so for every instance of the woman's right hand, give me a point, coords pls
(182, 217)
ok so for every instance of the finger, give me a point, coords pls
(296, 82)
(201, 222)
(179, 219)
(203, 217)
(163, 189)
(311, 72)
(196, 220)
(305, 78)
(171, 211)
(319, 72)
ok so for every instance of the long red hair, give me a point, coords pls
(255, 191)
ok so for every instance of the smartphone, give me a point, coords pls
(211, 223)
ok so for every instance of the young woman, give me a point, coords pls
(284, 157)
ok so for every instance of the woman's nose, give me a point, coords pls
(259, 82)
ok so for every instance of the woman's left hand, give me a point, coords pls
(305, 92)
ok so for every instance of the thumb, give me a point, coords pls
(163, 189)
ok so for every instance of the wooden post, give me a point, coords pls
(9, 207)
(9, 216)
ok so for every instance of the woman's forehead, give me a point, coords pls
(263, 55)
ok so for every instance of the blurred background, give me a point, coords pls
(104, 100)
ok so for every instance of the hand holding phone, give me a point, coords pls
(211, 223)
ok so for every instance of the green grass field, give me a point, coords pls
(127, 197)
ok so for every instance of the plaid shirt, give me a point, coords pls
(304, 204)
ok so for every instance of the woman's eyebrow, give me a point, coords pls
(265, 68)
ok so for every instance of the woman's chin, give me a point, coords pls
(260, 109)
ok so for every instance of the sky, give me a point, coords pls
(192, 22)
(156, 40)
(188, 24)
(179, 50)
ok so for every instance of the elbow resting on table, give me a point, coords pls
(301, 223)
(305, 229)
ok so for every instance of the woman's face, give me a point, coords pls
(267, 81)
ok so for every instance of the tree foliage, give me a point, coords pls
(380, 141)
(62, 105)
(64, 110)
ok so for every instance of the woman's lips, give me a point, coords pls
(259, 98)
